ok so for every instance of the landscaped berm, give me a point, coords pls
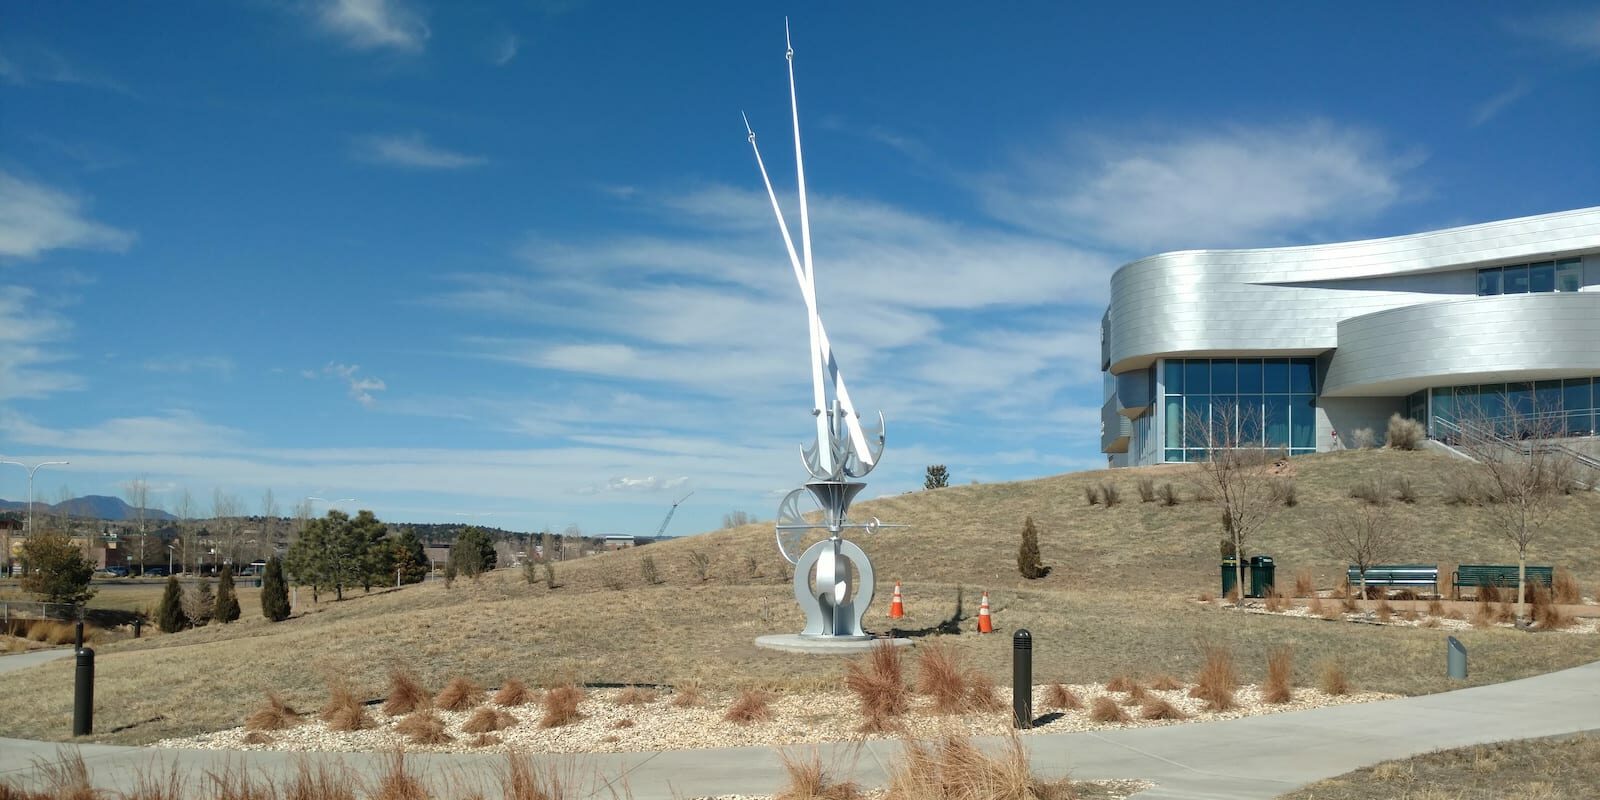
(614, 660)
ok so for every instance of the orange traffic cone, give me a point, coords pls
(985, 624)
(897, 605)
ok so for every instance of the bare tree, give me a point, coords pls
(734, 519)
(137, 494)
(225, 514)
(1526, 471)
(1234, 471)
(269, 520)
(184, 511)
(1364, 537)
(302, 516)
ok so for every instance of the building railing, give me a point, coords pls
(1519, 434)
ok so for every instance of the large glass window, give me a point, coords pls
(1572, 405)
(1197, 376)
(1489, 281)
(1542, 277)
(1249, 371)
(1245, 402)
(1224, 376)
(1516, 280)
(1173, 375)
(1569, 275)
(1303, 421)
(1174, 421)
(1276, 372)
(1565, 275)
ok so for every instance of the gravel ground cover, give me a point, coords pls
(798, 718)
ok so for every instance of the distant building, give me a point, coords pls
(617, 541)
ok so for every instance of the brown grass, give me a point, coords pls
(1315, 606)
(1217, 679)
(258, 737)
(806, 779)
(488, 720)
(954, 769)
(1158, 708)
(982, 695)
(1206, 597)
(1348, 602)
(942, 675)
(486, 740)
(561, 706)
(397, 783)
(1545, 614)
(1384, 611)
(687, 695)
(343, 711)
(621, 724)
(1059, 697)
(1275, 600)
(1167, 683)
(752, 705)
(1333, 679)
(878, 681)
(1564, 587)
(1304, 583)
(1105, 709)
(1280, 676)
(406, 694)
(274, 715)
(1435, 608)
(423, 726)
(513, 693)
(459, 694)
(636, 696)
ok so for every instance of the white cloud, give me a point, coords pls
(1577, 30)
(29, 65)
(26, 361)
(172, 432)
(1235, 187)
(649, 484)
(411, 150)
(1491, 108)
(360, 387)
(183, 365)
(373, 24)
(506, 48)
(35, 218)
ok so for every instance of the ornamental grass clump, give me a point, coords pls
(513, 693)
(1167, 683)
(561, 706)
(459, 694)
(1564, 588)
(752, 705)
(343, 712)
(1333, 680)
(942, 676)
(274, 714)
(636, 696)
(423, 726)
(1060, 698)
(488, 720)
(1160, 709)
(878, 681)
(1106, 709)
(406, 694)
(1217, 680)
(1279, 688)
(955, 769)
(807, 779)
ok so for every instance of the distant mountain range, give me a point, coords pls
(92, 506)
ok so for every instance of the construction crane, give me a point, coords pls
(663, 529)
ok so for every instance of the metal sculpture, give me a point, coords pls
(835, 599)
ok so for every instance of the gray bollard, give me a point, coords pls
(77, 636)
(1022, 678)
(83, 694)
(1456, 658)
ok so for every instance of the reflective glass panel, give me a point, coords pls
(1444, 404)
(1516, 280)
(1575, 395)
(1547, 396)
(1277, 427)
(1249, 370)
(1542, 277)
(1492, 400)
(1172, 378)
(1489, 281)
(1275, 373)
(1197, 410)
(1569, 275)
(1175, 455)
(1520, 396)
(1303, 421)
(1224, 376)
(1196, 375)
(1302, 375)
(1174, 421)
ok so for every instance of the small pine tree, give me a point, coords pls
(199, 604)
(169, 615)
(227, 608)
(937, 477)
(274, 592)
(1028, 562)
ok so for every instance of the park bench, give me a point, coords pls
(1500, 576)
(1411, 575)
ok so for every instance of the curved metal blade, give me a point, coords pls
(799, 520)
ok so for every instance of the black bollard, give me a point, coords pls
(77, 636)
(83, 694)
(138, 623)
(1022, 678)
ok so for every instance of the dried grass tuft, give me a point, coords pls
(878, 681)
(636, 696)
(486, 740)
(954, 769)
(322, 782)
(1564, 588)
(1333, 680)
(1105, 709)
(258, 737)
(1120, 683)
(752, 705)
(982, 695)
(513, 693)
(621, 724)
(1167, 683)
(1275, 600)
(343, 711)
(1059, 697)
(1384, 611)
(1205, 597)
(488, 720)
(1280, 676)
(1435, 608)
(459, 694)
(274, 715)
(1546, 614)
(1158, 708)
(396, 783)
(406, 694)
(687, 695)
(942, 676)
(1303, 583)
(522, 779)
(423, 726)
(1217, 679)
(561, 706)
(1315, 606)
(808, 780)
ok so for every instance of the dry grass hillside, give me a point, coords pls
(1119, 599)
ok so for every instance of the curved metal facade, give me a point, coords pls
(1366, 308)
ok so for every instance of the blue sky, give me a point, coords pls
(512, 262)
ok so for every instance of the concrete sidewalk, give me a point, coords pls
(16, 661)
(1254, 757)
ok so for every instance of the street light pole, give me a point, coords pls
(31, 470)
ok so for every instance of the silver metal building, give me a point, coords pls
(1329, 338)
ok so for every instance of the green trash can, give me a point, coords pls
(1229, 575)
(1262, 575)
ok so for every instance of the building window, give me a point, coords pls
(1571, 405)
(1274, 398)
(1565, 275)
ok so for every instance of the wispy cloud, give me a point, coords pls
(411, 150)
(1491, 108)
(35, 218)
(32, 65)
(222, 365)
(373, 24)
(360, 387)
(28, 364)
(1575, 30)
(505, 49)
(176, 431)
(648, 484)
(1233, 187)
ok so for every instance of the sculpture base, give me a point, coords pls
(826, 645)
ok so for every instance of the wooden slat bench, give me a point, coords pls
(1500, 576)
(1414, 575)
